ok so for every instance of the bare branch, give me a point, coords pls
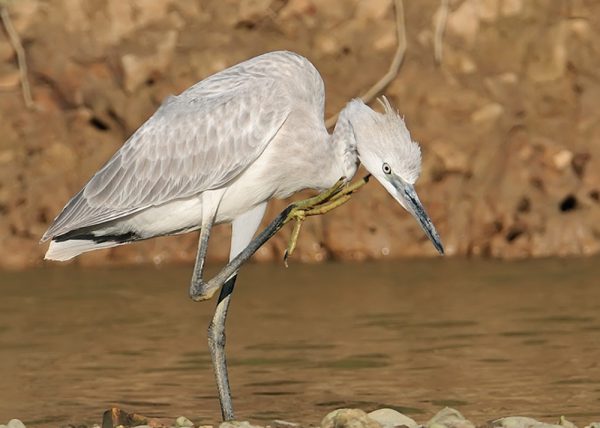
(15, 41)
(391, 74)
(440, 27)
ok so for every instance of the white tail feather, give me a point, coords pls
(66, 250)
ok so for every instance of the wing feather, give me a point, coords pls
(194, 142)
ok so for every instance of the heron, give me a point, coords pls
(218, 152)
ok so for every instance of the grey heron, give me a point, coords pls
(218, 152)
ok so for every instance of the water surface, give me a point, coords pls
(488, 338)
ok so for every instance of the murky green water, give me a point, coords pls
(488, 338)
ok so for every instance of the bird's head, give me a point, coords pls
(386, 150)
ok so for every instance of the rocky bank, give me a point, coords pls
(340, 418)
(508, 121)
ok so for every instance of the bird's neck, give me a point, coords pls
(344, 142)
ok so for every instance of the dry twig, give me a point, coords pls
(440, 27)
(394, 66)
(15, 41)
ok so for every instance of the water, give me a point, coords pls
(488, 338)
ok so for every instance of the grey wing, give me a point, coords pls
(192, 143)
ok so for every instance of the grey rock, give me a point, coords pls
(449, 418)
(390, 418)
(238, 424)
(349, 418)
(521, 422)
(566, 423)
(182, 421)
(278, 423)
(15, 423)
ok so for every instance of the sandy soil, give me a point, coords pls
(508, 121)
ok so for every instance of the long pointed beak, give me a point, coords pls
(407, 197)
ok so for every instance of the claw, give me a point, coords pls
(293, 240)
(285, 257)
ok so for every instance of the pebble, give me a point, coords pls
(238, 424)
(182, 421)
(15, 423)
(390, 418)
(278, 423)
(566, 423)
(521, 422)
(449, 418)
(348, 418)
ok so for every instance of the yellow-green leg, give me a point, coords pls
(321, 204)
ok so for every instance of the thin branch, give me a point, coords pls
(440, 27)
(394, 67)
(15, 41)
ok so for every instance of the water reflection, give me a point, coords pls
(488, 338)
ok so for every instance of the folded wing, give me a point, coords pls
(198, 141)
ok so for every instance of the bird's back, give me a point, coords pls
(300, 79)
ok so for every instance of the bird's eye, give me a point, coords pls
(386, 169)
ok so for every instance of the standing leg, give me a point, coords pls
(243, 230)
(216, 344)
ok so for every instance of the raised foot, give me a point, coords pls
(324, 202)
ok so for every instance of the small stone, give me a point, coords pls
(562, 160)
(15, 423)
(449, 418)
(182, 421)
(238, 424)
(566, 423)
(348, 418)
(116, 418)
(390, 418)
(278, 423)
(521, 422)
(593, 425)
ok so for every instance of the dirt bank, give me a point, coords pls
(508, 122)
